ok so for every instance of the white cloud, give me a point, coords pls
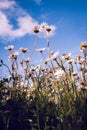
(5, 27)
(25, 26)
(24, 22)
(9, 14)
(38, 1)
(5, 4)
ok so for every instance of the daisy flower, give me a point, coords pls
(9, 48)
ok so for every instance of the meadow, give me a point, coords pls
(48, 96)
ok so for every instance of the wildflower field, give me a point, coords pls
(48, 96)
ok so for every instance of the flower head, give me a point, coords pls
(46, 61)
(24, 50)
(83, 46)
(66, 56)
(34, 68)
(50, 28)
(70, 61)
(9, 48)
(27, 60)
(43, 25)
(36, 29)
(74, 73)
(13, 55)
(59, 73)
(78, 57)
(25, 67)
(82, 60)
(55, 55)
(40, 50)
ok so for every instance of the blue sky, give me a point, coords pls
(18, 16)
